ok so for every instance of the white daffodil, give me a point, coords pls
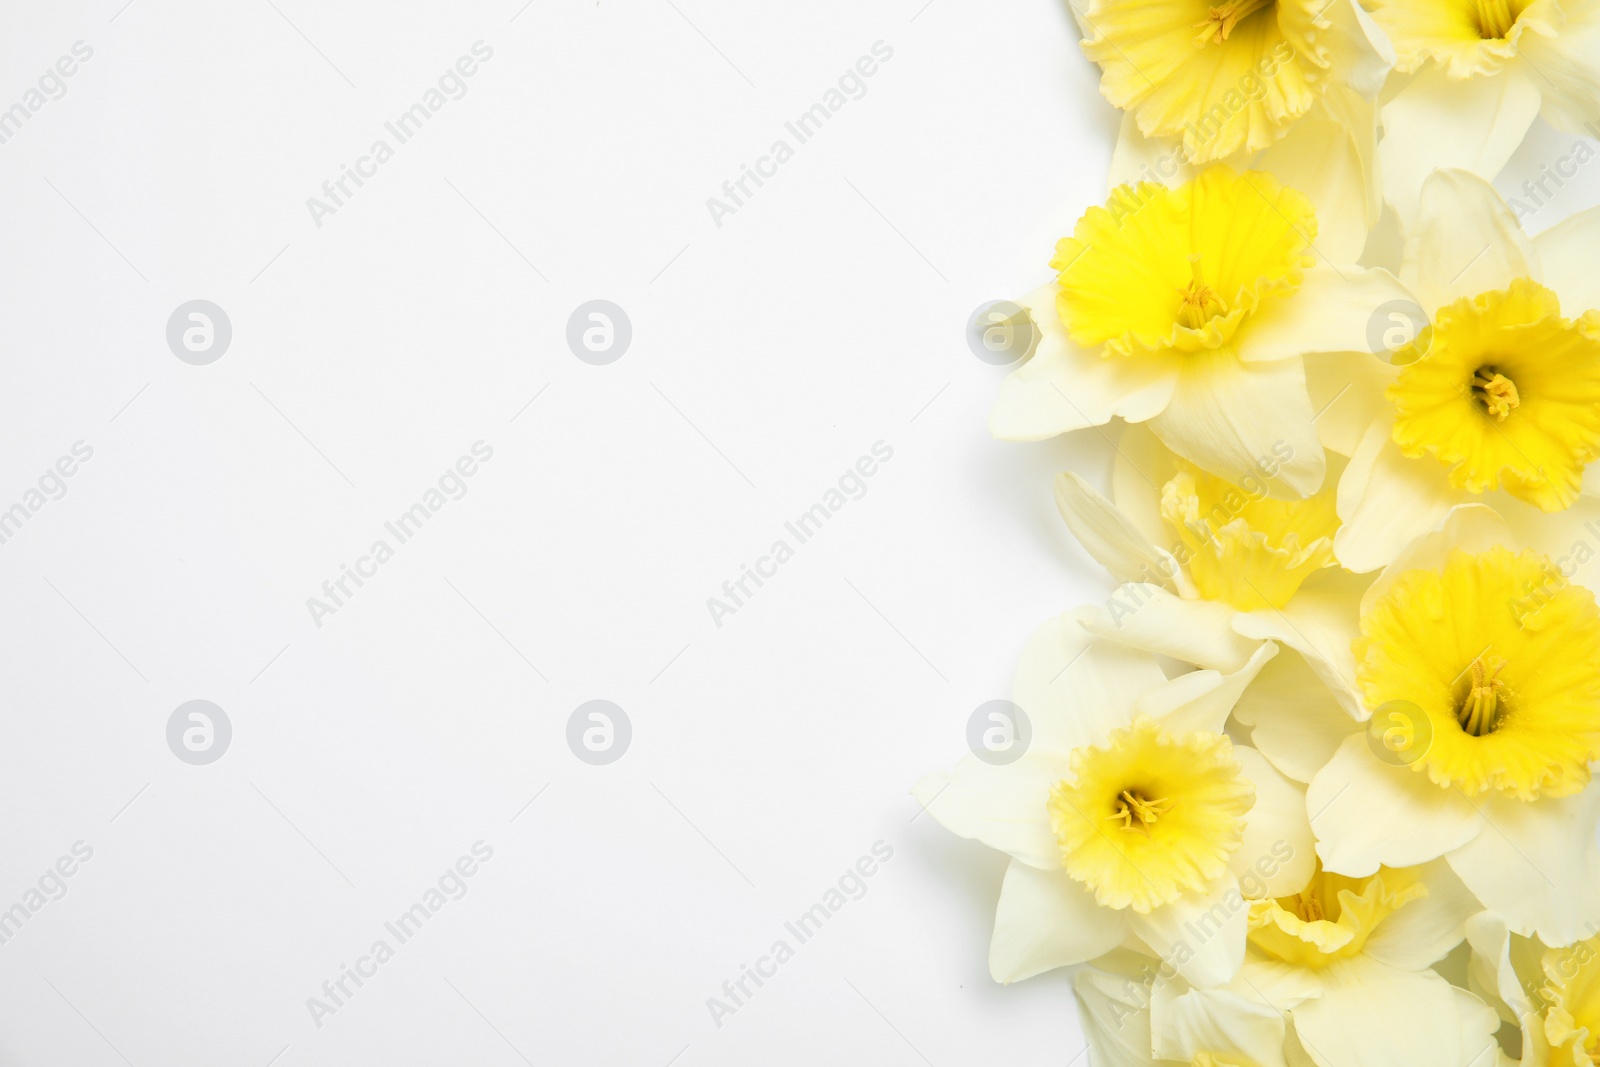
(1495, 400)
(1190, 309)
(1212, 567)
(1482, 664)
(1472, 77)
(1131, 817)
(1348, 961)
(1289, 89)
(1114, 997)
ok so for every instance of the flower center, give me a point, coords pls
(1506, 395)
(1494, 392)
(1198, 303)
(1481, 711)
(1332, 918)
(1137, 813)
(1175, 805)
(1522, 719)
(1221, 20)
(1159, 270)
(1494, 17)
(1308, 906)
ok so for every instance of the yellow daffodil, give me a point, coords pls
(1190, 309)
(1488, 660)
(1495, 400)
(1130, 816)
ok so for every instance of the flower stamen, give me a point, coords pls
(1222, 19)
(1480, 713)
(1309, 906)
(1138, 813)
(1494, 392)
(1495, 18)
(1198, 302)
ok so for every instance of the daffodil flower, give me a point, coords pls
(1348, 960)
(1212, 567)
(1473, 75)
(1486, 662)
(1131, 817)
(1497, 398)
(1190, 309)
(1228, 77)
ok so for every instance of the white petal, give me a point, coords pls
(1421, 932)
(1114, 1008)
(1046, 920)
(1346, 388)
(1467, 242)
(1278, 855)
(1231, 418)
(1567, 69)
(1295, 721)
(1373, 1015)
(1061, 387)
(1571, 538)
(1361, 51)
(1367, 813)
(1497, 959)
(1332, 312)
(1276, 984)
(1201, 700)
(1320, 623)
(1330, 155)
(1479, 1044)
(1219, 1021)
(1537, 865)
(1003, 807)
(1195, 631)
(1107, 535)
(1566, 252)
(1076, 689)
(1201, 937)
(1141, 467)
(1436, 121)
(1386, 500)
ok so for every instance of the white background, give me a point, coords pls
(371, 352)
(767, 356)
